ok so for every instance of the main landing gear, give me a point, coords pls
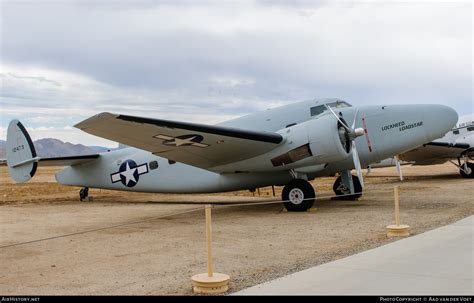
(344, 192)
(84, 193)
(298, 195)
(347, 187)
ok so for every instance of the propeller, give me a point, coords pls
(351, 134)
(398, 166)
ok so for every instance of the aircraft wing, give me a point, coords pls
(435, 153)
(199, 145)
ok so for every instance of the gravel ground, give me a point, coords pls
(147, 254)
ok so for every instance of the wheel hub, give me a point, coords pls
(296, 196)
(468, 170)
(343, 189)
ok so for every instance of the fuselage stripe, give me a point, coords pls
(364, 124)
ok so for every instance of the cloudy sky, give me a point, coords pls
(209, 61)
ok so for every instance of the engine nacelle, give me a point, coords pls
(317, 141)
(309, 144)
(328, 139)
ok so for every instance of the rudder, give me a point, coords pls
(21, 153)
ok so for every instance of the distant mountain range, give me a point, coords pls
(53, 147)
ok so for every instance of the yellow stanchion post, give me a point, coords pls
(210, 282)
(397, 230)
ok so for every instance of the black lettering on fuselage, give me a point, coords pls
(411, 125)
(393, 125)
(402, 126)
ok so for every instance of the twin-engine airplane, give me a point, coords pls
(288, 146)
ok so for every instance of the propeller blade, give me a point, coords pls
(355, 158)
(355, 118)
(338, 119)
(398, 166)
(353, 133)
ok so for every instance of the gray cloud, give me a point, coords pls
(226, 59)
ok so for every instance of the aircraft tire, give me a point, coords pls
(83, 193)
(357, 187)
(300, 195)
(470, 171)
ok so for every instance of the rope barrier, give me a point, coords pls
(101, 228)
(245, 203)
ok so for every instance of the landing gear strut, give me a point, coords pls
(84, 193)
(298, 195)
(341, 189)
(467, 170)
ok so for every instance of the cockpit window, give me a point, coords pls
(318, 110)
(456, 131)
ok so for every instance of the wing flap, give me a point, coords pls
(200, 145)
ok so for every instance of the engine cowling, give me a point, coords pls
(328, 140)
(314, 142)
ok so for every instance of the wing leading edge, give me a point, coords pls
(199, 145)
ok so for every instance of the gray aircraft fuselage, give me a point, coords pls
(389, 130)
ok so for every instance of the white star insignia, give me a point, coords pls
(129, 174)
(178, 142)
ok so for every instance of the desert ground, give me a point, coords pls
(151, 244)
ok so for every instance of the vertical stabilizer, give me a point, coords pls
(21, 153)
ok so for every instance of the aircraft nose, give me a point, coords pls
(440, 118)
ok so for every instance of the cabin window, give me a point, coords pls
(456, 131)
(153, 164)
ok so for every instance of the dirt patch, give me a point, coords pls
(146, 253)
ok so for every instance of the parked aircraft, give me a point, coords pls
(284, 146)
(457, 144)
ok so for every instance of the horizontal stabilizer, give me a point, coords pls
(58, 161)
(67, 161)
